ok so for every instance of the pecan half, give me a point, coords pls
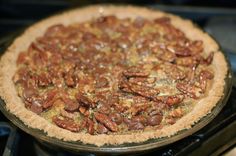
(175, 73)
(182, 51)
(70, 105)
(22, 58)
(142, 80)
(145, 91)
(107, 20)
(106, 121)
(196, 47)
(32, 81)
(40, 59)
(102, 82)
(190, 90)
(187, 62)
(104, 109)
(70, 79)
(44, 79)
(154, 120)
(116, 117)
(88, 36)
(85, 101)
(137, 108)
(29, 93)
(170, 120)
(139, 22)
(167, 56)
(68, 114)
(90, 126)
(202, 85)
(170, 100)
(54, 30)
(36, 107)
(135, 72)
(49, 98)
(208, 60)
(133, 125)
(84, 111)
(21, 75)
(66, 123)
(176, 113)
(162, 20)
(141, 90)
(119, 107)
(205, 74)
(101, 129)
(139, 118)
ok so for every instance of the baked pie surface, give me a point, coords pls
(111, 75)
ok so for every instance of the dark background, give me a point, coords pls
(20, 13)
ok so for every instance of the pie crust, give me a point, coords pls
(15, 105)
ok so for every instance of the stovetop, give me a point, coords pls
(215, 138)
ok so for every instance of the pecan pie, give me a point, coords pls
(111, 75)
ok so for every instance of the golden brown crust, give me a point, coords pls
(16, 106)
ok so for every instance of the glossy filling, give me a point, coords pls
(113, 76)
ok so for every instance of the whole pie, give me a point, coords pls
(112, 75)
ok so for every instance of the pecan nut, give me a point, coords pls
(189, 89)
(106, 121)
(90, 126)
(85, 101)
(135, 72)
(140, 118)
(101, 129)
(116, 117)
(170, 100)
(66, 123)
(141, 90)
(135, 125)
(70, 105)
(154, 120)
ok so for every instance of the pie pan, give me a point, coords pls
(129, 147)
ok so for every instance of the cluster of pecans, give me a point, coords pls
(101, 73)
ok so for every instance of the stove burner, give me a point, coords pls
(9, 131)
